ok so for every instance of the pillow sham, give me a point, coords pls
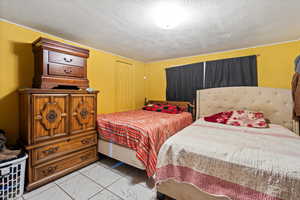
(165, 108)
(243, 118)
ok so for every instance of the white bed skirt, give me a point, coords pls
(120, 153)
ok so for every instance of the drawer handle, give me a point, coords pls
(68, 60)
(50, 170)
(87, 141)
(85, 157)
(50, 150)
(68, 71)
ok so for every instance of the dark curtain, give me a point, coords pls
(240, 71)
(183, 81)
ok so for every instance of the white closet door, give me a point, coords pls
(124, 86)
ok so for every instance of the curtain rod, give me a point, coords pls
(210, 60)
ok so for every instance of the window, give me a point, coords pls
(184, 81)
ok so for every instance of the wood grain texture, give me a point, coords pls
(48, 152)
(65, 70)
(50, 116)
(83, 113)
(59, 64)
(53, 167)
(58, 130)
(66, 59)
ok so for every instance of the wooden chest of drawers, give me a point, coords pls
(59, 64)
(58, 130)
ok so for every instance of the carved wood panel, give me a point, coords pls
(83, 111)
(50, 118)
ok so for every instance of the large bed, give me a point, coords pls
(135, 137)
(210, 161)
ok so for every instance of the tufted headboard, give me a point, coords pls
(275, 103)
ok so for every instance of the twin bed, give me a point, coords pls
(135, 137)
(209, 161)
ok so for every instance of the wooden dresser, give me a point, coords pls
(58, 130)
(59, 64)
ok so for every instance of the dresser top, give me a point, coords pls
(53, 45)
(54, 91)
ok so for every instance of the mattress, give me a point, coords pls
(236, 162)
(142, 131)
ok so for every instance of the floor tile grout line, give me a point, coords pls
(114, 193)
(82, 169)
(92, 180)
(95, 194)
(38, 192)
(115, 182)
(106, 187)
(109, 168)
(125, 176)
(98, 183)
(97, 163)
(122, 175)
(64, 191)
(80, 173)
(126, 179)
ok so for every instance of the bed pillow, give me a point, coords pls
(239, 118)
(165, 108)
(171, 109)
(152, 107)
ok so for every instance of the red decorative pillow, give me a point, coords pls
(165, 108)
(152, 107)
(171, 109)
(221, 117)
(239, 118)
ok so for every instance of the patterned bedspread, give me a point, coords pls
(142, 131)
(238, 162)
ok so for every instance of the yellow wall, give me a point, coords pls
(275, 69)
(16, 71)
(275, 65)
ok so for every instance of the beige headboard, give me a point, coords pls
(275, 103)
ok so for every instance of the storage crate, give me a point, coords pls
(12, 174)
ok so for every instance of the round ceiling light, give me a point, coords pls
(168, 15)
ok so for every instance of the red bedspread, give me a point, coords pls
(142, 131)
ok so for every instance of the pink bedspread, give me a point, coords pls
(142, 131)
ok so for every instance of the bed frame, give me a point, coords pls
(127, 155)
(275, 103)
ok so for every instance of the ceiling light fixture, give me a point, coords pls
(168, 15)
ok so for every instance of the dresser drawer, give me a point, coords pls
(51, 151)
(64, 163)
(66, 59)
(65, 70)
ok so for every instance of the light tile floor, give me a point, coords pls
(102, 180)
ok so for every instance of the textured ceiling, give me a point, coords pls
(127, 27)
